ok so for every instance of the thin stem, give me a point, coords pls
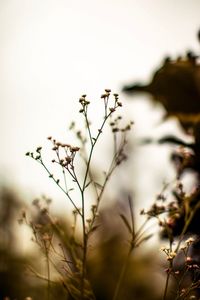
(168, 274)
(187, 223)
(122, 274)
(48, 269)
(92, 149)
(85, 237)
(111, 170)
(63, 170)
(65, 180)
(39, 275)
(131, 212)
(115, 143)
(166, 286)
(65, 192)
(88, 127)
(125, 265)
(136, 236)
(180, 282)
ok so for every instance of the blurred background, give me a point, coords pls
(52, 52)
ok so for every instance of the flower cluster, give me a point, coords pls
(69, 151)
(64, 157)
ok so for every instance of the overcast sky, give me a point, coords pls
(53, 51)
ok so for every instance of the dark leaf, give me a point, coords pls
(124, 219)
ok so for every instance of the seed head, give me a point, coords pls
(190, 241)
(103, 96)
(74, 149)
(55, 148)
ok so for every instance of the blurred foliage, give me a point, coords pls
(114, 247)
(13, 278)
(19, 276)
(176, 85)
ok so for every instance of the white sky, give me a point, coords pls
(53, 51)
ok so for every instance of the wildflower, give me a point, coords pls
(188, 259)
(183, 248)
(183, 292)
(195, 267)
(170, 222)
(103, 96)
(74, 149)
(75, 212)
(128, 127)
(190, 241)
(171, 256)
(167, 270)
(93, 208)
(161, 197)
(163, 249)
(115, 129)
(66, 145)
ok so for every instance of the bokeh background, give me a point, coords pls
(51, 52)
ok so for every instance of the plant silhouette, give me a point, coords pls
(176, 85)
